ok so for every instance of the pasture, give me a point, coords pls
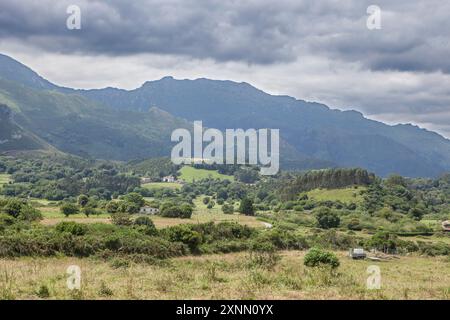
(226, 276)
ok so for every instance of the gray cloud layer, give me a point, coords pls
(415, 34)
(319, 50)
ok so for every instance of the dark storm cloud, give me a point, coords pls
(414, 35)
(315, 50)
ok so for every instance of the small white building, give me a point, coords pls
(168, 179)
(148, 210)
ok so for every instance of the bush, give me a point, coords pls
(89, 211)
(383, 241)
(68, 209)
(6, 220)
(183, 233)
(211, 205)
(171, 210)
(13, 207)
(146, 225)
(134, 198)
(327, 219)
(228, 208)
(121, 219)
(318, 258)
(112, 207)
(83, 200)
(76, 229)
(263, 255)
(246, 207)
(28, 213)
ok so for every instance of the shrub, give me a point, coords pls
(112, 207)
(89, 211)
(68, 209)
(83, 200)
(228, 208)
(183, 233)
(416, 213)
(171, 210)
(6, 220)
(134, 198)
(76, 229)
(43, 292)
(13, 207)
(246, 207)
(146, 225)
(263, 254)
(384, 241)
(28, 213)
(144, 221)
(211, 204)
(317, 258)
(354, 224)
(327, 219)
(121, 219)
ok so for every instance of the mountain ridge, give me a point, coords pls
(310, 130)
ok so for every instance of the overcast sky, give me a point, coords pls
(312, 50)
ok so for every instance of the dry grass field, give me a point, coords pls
(224, 277)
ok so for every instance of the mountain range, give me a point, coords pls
(119, 124)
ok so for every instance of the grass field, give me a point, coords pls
(345, 195)
(190, 174)
(201, 214)
(161, 185)
(228, 276)
(4, 179)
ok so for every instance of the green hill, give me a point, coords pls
(76, 125)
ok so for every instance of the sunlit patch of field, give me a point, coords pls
(229, 276)
(162, 185)
(345, 195)
(190, 174)
(4, 179)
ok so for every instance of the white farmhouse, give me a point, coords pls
(148, 210)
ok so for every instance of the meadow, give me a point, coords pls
(161, 185)
(52, 215)
(345, 195)
(190, 174)
(4, 179)
(229, 276)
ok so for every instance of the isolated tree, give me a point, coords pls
(68, 209)
(246, 207)
(83, 200)
(134, 198)
(327, 219)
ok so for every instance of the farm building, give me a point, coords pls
(148, 210)
(168, 179)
